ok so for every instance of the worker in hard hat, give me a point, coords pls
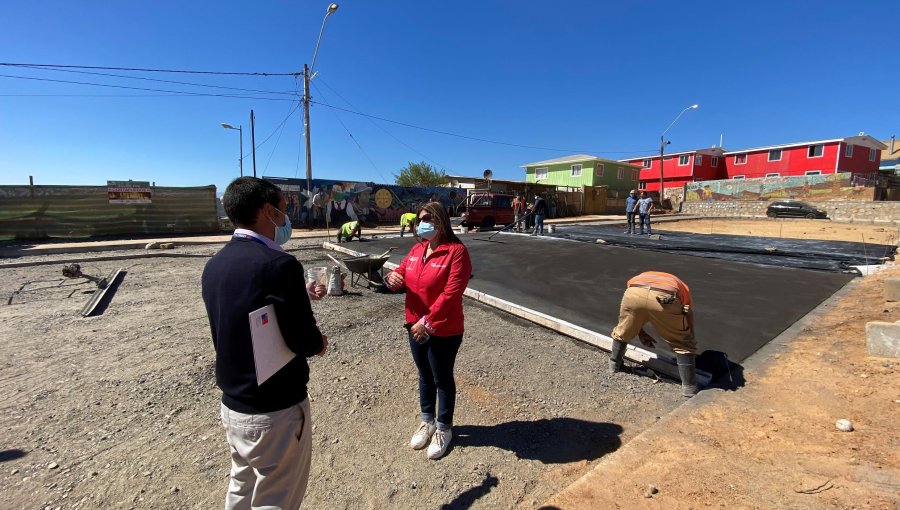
(665, 301)
(348, 230)
(408, 221)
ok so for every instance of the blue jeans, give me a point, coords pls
(435, 359)
(645, 218)
(539, 223)
(630, 217)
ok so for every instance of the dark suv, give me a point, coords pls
(485, 209)
(794, 209)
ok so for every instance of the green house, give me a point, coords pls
(583, 170)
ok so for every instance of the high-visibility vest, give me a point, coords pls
(406, 218)
(349, 227)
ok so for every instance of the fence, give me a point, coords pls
(40, 212)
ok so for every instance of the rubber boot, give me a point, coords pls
(687, 370)
(616, 356)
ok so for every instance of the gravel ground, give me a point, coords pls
(121, 410)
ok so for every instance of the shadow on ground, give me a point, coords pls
(8, 455)
(553, 441)
(469, 497)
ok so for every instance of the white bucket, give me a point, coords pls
(551, 228)
(335, 285)
(464, 230)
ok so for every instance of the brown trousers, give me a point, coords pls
(639, 305)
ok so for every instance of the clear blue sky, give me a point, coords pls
(584, 76)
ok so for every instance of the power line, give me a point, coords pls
(260, 144)
(457, 135)
(146, 70)
(181, 92)
(280, 132)
(157, 80)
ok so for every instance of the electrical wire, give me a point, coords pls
(146, 70)
(260, 144)
(180, 92)
(280, 132)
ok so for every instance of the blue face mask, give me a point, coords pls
(426, 231)
(283, 233)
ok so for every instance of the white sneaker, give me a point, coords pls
(422, 436)
(439, 443)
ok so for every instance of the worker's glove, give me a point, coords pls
(646, 339)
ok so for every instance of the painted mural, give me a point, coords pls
(811, 187)
(342, 201)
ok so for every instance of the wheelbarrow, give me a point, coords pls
(369, 268)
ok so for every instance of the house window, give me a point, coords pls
(815, 151)
(576, 170)
(598, 170)
(738, 177)
(621, 173)
(684, 159)
(698, 160)
(813, 172)
(872, 154)
(642, 185)
(540, 173)
(647, 163)
(848, 152)
(740, 159)
(774, 174)
(635, 175)
(714, 162)
(775, 155)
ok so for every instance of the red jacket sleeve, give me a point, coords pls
(452, 295)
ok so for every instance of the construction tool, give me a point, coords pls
(103, 285)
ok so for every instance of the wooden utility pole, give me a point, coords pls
(253, 140)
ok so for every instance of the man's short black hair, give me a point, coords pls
(245, 196)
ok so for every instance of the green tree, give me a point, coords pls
(420, 174)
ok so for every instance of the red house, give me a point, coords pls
(681, 168)
(854, 154)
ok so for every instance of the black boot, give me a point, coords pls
(616, 356)
(687, 370)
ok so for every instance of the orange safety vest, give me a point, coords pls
(518, 205)
(663, 281)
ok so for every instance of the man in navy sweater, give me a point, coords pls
(268, 426)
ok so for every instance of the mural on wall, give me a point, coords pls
(815, 187)
(371, 203)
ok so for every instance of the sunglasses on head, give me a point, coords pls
(427, 218)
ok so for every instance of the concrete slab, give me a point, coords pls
(739, 306)
(892, 289)
(883, 339)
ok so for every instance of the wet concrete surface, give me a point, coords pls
(739, 307)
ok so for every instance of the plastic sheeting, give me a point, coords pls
(838, 256)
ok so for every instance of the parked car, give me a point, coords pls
(486, 209)
(794, 209)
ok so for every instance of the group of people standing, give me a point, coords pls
(268, 425)
(523, 212)
(638, 208)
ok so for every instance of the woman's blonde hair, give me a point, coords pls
(441, 220)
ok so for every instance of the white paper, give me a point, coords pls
(270, 353)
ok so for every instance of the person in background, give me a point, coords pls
(644, 207)
(665, 301)
(540, 212)
(518, 207)
(268, 426)
(630, 204)
(348, 230)
(408, 221)
(320, 199)
(435, 273)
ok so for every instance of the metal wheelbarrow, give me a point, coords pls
(366, 267)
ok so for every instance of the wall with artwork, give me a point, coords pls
(840, 186)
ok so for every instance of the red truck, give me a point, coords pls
(486, 209)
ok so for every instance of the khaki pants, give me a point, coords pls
(270, 457)
(639, 305)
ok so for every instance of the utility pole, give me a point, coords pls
(241, 155)
(306, 129)
(662, 145)
(253, 139)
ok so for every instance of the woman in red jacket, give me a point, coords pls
(435, 274)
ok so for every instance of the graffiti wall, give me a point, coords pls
(334, 202)
(810, 187)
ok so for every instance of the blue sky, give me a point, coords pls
(603, 78)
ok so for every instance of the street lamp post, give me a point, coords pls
(307, 72)
(662, 145)
(240, 131)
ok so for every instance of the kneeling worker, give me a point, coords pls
(348, 230)
(408, 221)
(665, 301)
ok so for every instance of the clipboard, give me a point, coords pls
(270, 353)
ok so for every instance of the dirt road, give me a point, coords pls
(121, 410)
(791, 228)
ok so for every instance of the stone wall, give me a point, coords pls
(887, 213)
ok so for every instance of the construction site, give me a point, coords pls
(115, 407)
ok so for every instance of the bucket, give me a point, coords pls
(464, 229)
(335, 282)
(551, 228)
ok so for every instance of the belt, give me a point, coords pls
(657, 289)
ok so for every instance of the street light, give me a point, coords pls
(306, 77)
(662, 145)
(240, 131)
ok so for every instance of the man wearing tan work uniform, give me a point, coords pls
(665, 301)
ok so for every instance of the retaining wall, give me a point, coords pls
(843, 211)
